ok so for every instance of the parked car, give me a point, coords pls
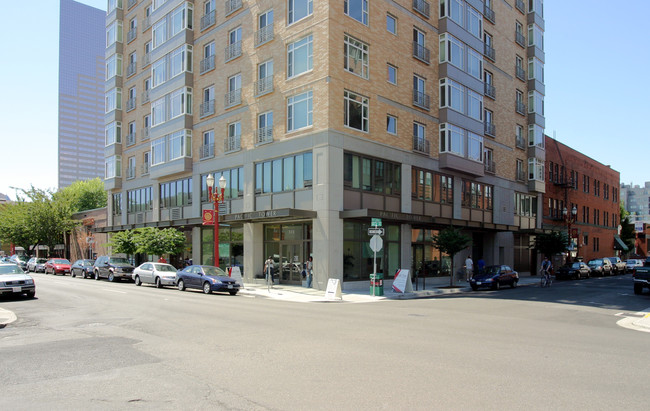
(160, 274)
(14, 281)
(36, 265)
(82, 268)
(642, 277)
(207, 278)
(112, 268)
(600, 267)
(57, 266)
(21, 260)
(618, 266)
(632, 264)
(576, 270)
(494, 276)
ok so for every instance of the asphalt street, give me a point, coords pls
(84, 344)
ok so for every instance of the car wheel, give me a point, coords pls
(158, 283)
(138, 282)
(233, 292)
(31, 294)
(514, 284)
(45, 271)
(638, 289)
(180, 285)
(73, 274)
(474, 288)
(496, 286)
(111, 277)
(97, 275)
(207, 288)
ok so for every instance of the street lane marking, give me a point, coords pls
(120, 292)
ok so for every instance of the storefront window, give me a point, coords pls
(231, 247)
(428, 261)
(358, 258)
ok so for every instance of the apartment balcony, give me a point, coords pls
(264, 86)
(520, 107)
(207, 108)
(208, 20)
(130, 139)
(521, 175)
(521, 73)
(521, 6)
(520, 38)
(145, 133)
(232, 6)
(488, 13)
(422, 7)
(490, 129)
(144, 169)
(490, 166)
(131, 69)
(233, 98)
(130, 104)
(206, 64)
(420, 52)
(131, 34)
(421, 145)
(263, 35)
(146, 23)
(145, 96)
(421, 99)
(206, 151)
(130, 173)
(233, 50)
(520, 142)
(146, 59)
(232, 143)
(489, 52)
(490, 91)
(131, 3)
(264, 135)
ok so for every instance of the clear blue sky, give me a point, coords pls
(597, 60)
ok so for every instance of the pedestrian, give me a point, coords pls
(268, 270)
(469, 268)
(162, 260)
(310, 271)
(480, 265)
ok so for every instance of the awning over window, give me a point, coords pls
(619, 244)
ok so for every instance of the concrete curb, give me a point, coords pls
(6, 317)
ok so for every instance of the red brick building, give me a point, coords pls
(583, 195)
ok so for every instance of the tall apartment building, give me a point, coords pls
(321, 116)
(577, 182)
(636, 200)
(81, 93)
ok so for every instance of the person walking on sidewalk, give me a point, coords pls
(469, 268)
(268, 271)
(310, 271)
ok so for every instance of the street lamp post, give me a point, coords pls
(569, 219)
(216, 198)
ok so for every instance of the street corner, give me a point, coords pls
(6, 317)
(639, 321)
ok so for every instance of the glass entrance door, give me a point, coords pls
(291, 263)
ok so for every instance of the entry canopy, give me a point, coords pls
(619, 244)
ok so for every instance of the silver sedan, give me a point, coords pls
(159, 274)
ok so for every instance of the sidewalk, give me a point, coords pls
(359, 293)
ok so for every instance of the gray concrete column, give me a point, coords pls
(253, 250)
(196, 245)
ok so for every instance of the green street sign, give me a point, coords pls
(376, 222)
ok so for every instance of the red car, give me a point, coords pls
(57, 266)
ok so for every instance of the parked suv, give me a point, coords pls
(618, 266)
(112, 268)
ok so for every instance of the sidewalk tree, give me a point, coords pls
(124, 242)
(451, 241)
(14, 226)
(627, 229)
(551, 243)
(154, 241)
(84, 195)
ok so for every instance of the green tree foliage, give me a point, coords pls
(451, 241)
(551, 243)
(14, 225)
(155, 241)
(627, 233)
(124, 242)
(84, 195)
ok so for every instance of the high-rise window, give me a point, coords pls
(356, 56)
(299, 111)
(300, 56)
(391, 124)
(452, 139)
(452, 50)
(357, 9)
(391, 24)
(356, 111)
(299, 9)
(392, 74)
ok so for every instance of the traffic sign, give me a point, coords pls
(375, 222)
(376, 243)
(376, 231)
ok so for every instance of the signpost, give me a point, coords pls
(375, 222)
(376, 244)
(376, 231)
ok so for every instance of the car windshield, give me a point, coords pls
(213, 271)
(60, 261)
(10, 269)
(119, 260)
(596, 262)
(575, 265)
(493, 269)
(41, 260)
(165, 268)
(87, 263)
(631, 262)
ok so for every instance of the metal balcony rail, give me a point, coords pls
(490, 166)
(264, 86)
(489, 52)
(232, 143)
(421, 99)
(146, 23)
(520, 107)
(264, 34)
(145, 133)
(520, 38)
(144, 169)
(422, 7)
(130, 172)
(233, 50)
(145, 96)
(208, 20)
(130, 139)
(421, 145)
(206, 64)
(521, 6)
(521, 175)
(264, 134)
(490, 129)
(131, 34)
(146, 60)
(520, 142)
(420, 52)
(130, 104)
(233, 98)
(232, 6)
(207, 108)
(488, 13)
(490, 91)
(521, 73)
(207, 150)
(131, 69)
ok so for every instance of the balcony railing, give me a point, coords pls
(264, 135)
(233, 98)
(421, 145)
(488, 13)
(131, 69)
(146, 60)
(489, 52)
(422, 7)
(264, 34)
(490, 129)
(521, 73)
(521, 6)
(521, 175)
(130, 172)
(520, 107)
(145, 96)
(490, 91)
(420, 52)
(207, 108)
(233, 50)
(207, 151)
(131, 34)
(490, 166)
(146, 23)
(132, 3)
(208, 20)
(206, 64)
(232, 143)
(520, 142)
(130, 139)
(130, 104)
(232, 6)
(144, 169)
(520, 38)
(421, 99)
(264, 86)
(145, 133)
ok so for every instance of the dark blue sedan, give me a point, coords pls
(494, 276)
(207, 278)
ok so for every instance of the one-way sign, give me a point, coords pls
(376, 231)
